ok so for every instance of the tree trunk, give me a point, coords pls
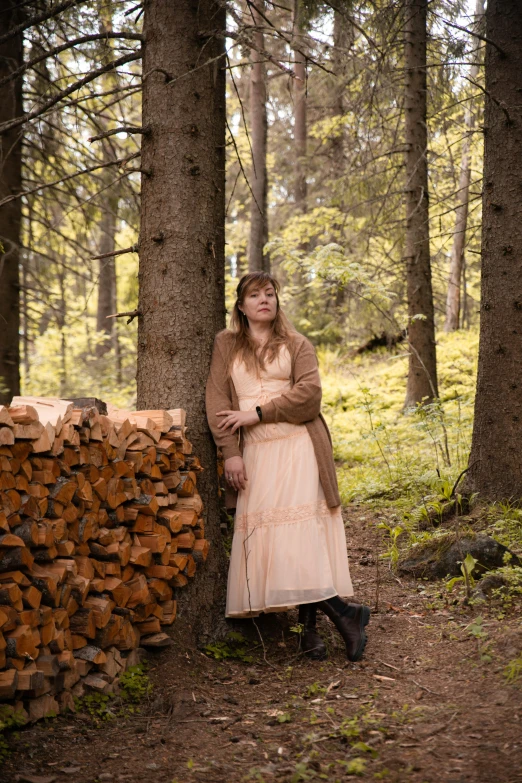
(61, 320)
(109, 219)
(461, 216)
(343, 41)
(11, 57)
(496, 457)
(107, 277)
(422, 370)
(257, 259)
(300, 188)
(181, 243)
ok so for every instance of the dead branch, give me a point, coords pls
(240, 39)
(169, 80)
(131, 249)
(132, 313)
(125, 129)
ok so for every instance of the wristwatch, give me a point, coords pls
(259, 413)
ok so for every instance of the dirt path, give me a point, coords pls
(428, 703)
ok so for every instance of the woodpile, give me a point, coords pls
(100, 524)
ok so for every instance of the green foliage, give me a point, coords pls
(315, 689)
(9, 720)
(505, 521)
(97, 705)
(467, 567)
(513, 670)
(477, 630)
(387, 456)
(234, 646)
(394, 532)
(134, 684)
(356, 766)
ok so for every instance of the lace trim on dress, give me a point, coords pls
(257, 441)
(282, 516)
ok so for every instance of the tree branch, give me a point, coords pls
(133, 314)
(68, 90)
(124, 129)
(56, 182)
(470, 32)
(69, 45)
(40, 18)
(131, 249)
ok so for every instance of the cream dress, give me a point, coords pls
(288, 547)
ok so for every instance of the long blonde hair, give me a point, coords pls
(243, 345)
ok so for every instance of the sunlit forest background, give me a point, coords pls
(337, 249)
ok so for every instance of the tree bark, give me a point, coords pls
(257, 259)
(461, 215)
(300, 131)
(11, 58)
(181, 272)
(422, 369)
(496, 458)
(109, 219)
(343, 41)
(107, 276)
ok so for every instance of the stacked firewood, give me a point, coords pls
(100, 523)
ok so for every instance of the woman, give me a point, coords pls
(263, 399)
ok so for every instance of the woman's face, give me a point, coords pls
(260, 304)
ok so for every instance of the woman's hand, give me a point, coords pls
(235, 472)
(236, 419)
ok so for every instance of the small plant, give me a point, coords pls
(284, 718)
(302, 773)
(467, 567)
(394, 534)
(476, 629)
(135, 684)
(513, 670)
(356, 766)
(134, 687)
(314, 690)
(235, 646)
(350, 728)
(96, 705)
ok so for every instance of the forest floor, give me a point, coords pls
(428, 702)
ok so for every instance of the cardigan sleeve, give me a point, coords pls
(303, 401)
(217, 398)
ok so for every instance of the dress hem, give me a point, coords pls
(279, 607)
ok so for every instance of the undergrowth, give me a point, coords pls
(386, 455)
(133, 686)
(407, 464)
(234, 646)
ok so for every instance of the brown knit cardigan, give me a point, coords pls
(299, 405)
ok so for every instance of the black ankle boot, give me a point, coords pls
(350, 620)
(309, 641)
